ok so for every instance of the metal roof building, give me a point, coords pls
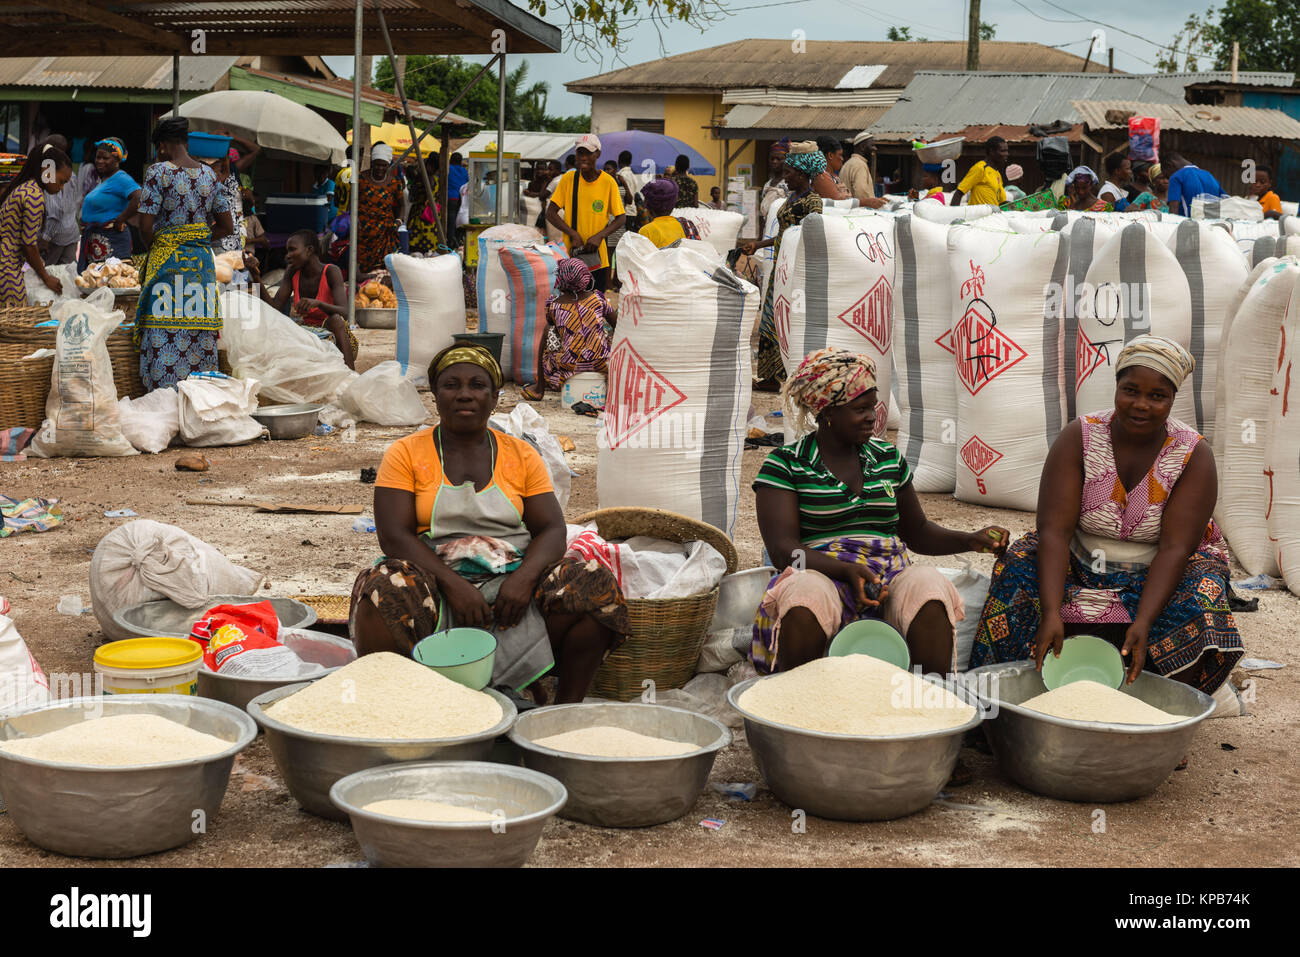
(1192, 118)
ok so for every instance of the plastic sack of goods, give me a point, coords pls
(719, 228)
(679, 383)
(430, 309)
(493, 285)
(245, 641)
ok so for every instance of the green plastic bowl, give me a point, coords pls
(465, 655)
(873, 637)
(1084, 658)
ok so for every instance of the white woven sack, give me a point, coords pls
(1215, 270)
(491, 282)
(1006, 341)
(1244, 208)
(1081, 240)
(1268, 247)
(1249, 360)
(679, 383)
(788, 292)
(720, 228)
(923, 359)
(430, 309)
(1282, 454)
(1138, 288)
(1221, 385)
(942, 213)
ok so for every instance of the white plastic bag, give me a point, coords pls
(216, 411)
(292, 364)
(383, 396)
(81, 411)
(151, 421)
(672, 570)
(145, 560)
(524, 422)
(22, 682)
(973, 586)
(39, 294)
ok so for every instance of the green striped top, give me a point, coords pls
(827, 509)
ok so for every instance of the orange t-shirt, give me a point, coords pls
(411, 465)
(1271, 202)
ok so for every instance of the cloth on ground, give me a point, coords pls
(28, 515)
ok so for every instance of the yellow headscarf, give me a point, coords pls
(1160, 354)
(474, 355)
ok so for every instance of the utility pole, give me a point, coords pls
(1236, 50)
(973, 37)
(1088, 58)
(1110, 60)
(361, 137)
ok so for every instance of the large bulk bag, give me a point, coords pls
(1243, 208)
(493, 289)
(1282, 454)
(1215, 270)
(1249, 360)
(720, 228)
(770, 228)
(788, 294)
(1081, 240)
(1268, 247)
(848, 275)
(923, 358)
(941, 213)
(530, 274)
(1005, 340)
(1221, 385)
(678, 395)
(1137, 289)
(430, 309)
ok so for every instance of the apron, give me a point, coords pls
(524, 651)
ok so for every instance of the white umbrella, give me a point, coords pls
(271, 121)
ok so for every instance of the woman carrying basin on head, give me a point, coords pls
(1125, 539)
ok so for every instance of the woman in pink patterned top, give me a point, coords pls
(1125, 540)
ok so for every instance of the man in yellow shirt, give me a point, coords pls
(983, 184)
(597, 211)
(664, 228)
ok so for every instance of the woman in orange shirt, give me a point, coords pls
(473, 536)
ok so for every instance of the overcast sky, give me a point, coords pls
(1154, 20)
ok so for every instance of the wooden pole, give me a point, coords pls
(1236, 50)
(501, 136)
(176, 85)
(1091, 44)
(355, 191)
(1110, 60)
(973, 37)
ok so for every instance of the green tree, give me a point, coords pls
(594, 28)
(1268, 32)
(900, 34)
(987, 30)
(1196, 39)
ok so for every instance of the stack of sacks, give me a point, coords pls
(679, 383)
(939, 213)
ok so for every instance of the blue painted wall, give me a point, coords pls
(1288, 171)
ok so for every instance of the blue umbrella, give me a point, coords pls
(655, 147)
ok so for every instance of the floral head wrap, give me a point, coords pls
(573, 276)
(806, 158)
(825, 379)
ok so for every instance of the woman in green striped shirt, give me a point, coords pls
(838, 514)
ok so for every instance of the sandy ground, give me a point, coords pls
(1229, 808)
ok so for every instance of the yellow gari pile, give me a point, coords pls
(855, 694)
(387, 696)
(119, 741)
(1091, 701)
(418, 809)
(610, 742)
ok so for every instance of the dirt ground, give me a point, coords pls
(1230, 807)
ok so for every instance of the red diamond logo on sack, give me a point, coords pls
(1088, 356)
(872, 315)
(636, 395)
(978, 456)
(944, 342)
(781, 314)
(983, 350)
(882, 420)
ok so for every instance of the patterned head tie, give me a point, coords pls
(474, 355)
(573, 276)
(806, 158)
(826, 379)
(660, 195)
(1159, 354)
(113, 145)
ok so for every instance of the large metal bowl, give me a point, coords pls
(377, 318)
(739, 595)
(311, 763)
(1083, 760)
(87, 811)
(526, 798)
(166, 619)
(289, 421)
(316, 647)
(623, 792)
(848, 777)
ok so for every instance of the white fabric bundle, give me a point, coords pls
(1006, 342)
(1250, 356)
(216, 411)
(151, 421)
(720, 228)
(291, 363)
(1138, 289)
(430, 309)
(923, 358)
(679, 383)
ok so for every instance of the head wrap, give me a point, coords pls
(1080, 172)
(660, 195)
(932, 167)
(232, 154)
(113, 145)
(171, 130)
(783, 144)
(474, 355)
(1014, 172)
(1160, 354)
(825, 379)
(806, 158)
(1153, 173)
(381, 153)
(573, 276)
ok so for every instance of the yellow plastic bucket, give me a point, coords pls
(150, 666)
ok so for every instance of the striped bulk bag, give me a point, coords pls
(923, 360)
(1136, 287)
(766, 260)
(1243, 208)
(849, 272)
(1081, 240)
(1266, 247)
(944, 214)
(679, 382)
(1249, 360)
(1221, 385)
(1282, 452)
(430, 309)
(788, 295)
(490, 280)
(1215, 270)
(720, 228)
(530, 274)
(1006, 345)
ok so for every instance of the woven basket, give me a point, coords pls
(18, 323)
(667, 633)
(24, 386)
(329, 609)
(122, 353)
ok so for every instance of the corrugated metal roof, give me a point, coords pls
(748, 119)
(198, 73)
(389, 101)
(1194, 118)
(528, 145)
(821, 65)
(1254, 78)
